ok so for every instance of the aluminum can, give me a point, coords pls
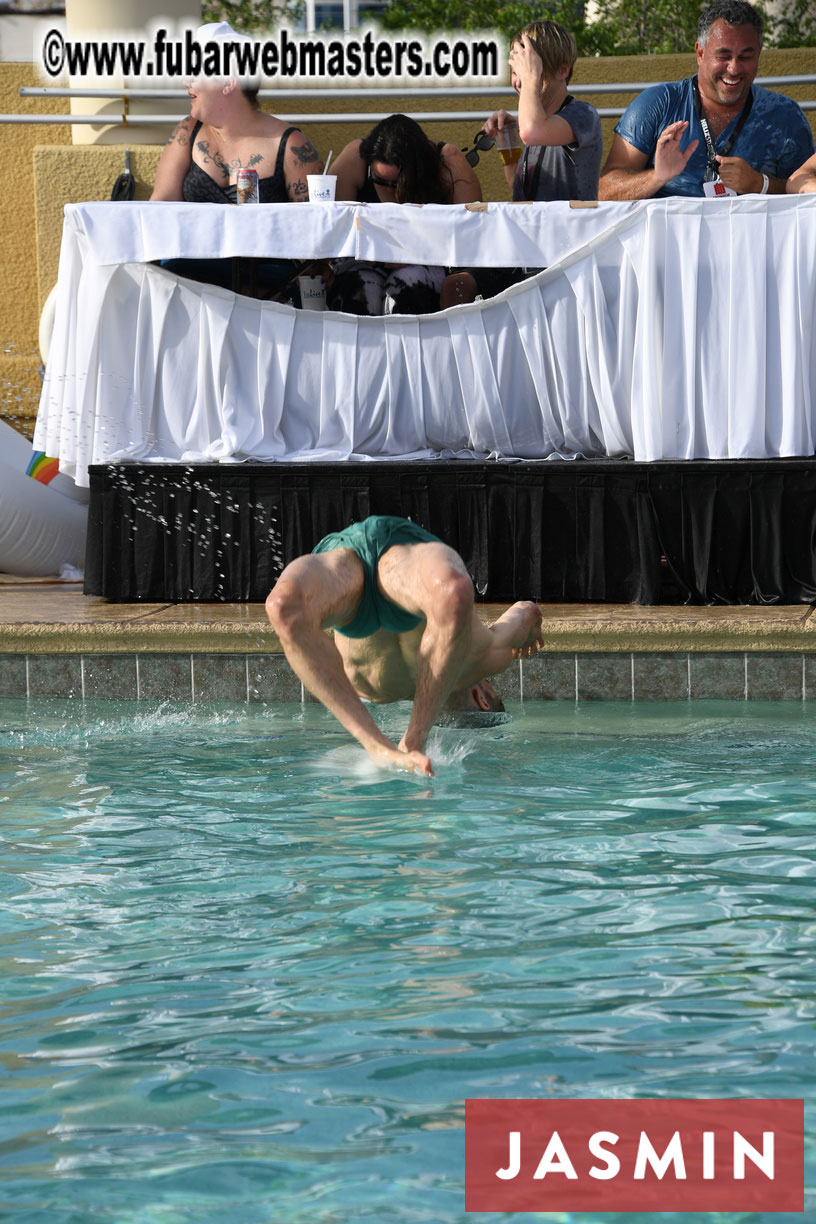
(246, 187)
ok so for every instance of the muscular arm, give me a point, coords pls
(626, 175)
(445, 643)
(174, 163)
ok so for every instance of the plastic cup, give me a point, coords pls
(321, 188)
(508, 142)
(312, 290)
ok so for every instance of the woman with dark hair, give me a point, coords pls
(225, 132)
(397, 164)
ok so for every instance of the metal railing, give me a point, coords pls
(126, 118)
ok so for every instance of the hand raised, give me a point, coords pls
(669, 159)
(524, 61)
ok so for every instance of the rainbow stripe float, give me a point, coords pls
(43, 516)
(42, 468)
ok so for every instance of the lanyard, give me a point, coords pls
(529, 190)
(711, 150)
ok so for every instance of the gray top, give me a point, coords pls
(564, 172)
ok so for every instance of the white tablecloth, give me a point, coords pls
(660, 329)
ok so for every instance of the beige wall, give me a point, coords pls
(87, 18)
(42, 170)
(19, 302)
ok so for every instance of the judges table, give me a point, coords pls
(663, 329)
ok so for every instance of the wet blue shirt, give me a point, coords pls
(775, 139)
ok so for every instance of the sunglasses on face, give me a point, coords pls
(382, 182)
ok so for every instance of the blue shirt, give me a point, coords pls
(775, 138)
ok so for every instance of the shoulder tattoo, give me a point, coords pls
(305, 153)
(180, 135)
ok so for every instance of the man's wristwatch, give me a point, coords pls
(766, 182)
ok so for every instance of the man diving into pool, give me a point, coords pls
(401, 605)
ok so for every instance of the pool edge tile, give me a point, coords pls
(13, 675)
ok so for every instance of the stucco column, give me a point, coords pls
(88, 19)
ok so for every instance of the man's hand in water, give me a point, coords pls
(401, 759)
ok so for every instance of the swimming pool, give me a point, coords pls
(246, 978)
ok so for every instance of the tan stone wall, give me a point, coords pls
(42, 171)
(19, 302)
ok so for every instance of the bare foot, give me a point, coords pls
(535, 636)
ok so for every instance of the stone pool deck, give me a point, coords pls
(57, 642)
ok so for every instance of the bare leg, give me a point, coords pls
(431, 579)
(312, 593)
(516, 634)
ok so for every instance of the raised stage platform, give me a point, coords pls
(730, 532)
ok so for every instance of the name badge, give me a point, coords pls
(718, 188)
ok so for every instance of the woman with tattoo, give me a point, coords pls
(225, 132)
(397, 164)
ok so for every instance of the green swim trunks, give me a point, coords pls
(369, 540)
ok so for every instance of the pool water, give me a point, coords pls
(247, 978)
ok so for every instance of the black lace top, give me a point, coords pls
(200, 188)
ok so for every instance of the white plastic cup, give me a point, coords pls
(312, 289)
(322, 188)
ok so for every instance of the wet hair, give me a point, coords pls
(423, 176)
(733, 13)
(251, 96)
(556, 46)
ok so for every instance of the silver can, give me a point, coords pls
(246, 187)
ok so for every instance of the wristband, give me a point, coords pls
(766, 182)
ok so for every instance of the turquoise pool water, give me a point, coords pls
(246, 979)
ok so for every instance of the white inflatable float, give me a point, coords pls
(43, 516)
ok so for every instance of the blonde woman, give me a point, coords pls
(561, 137)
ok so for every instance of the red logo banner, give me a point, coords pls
(655, 1155)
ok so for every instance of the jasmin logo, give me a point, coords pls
(670, 1155)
